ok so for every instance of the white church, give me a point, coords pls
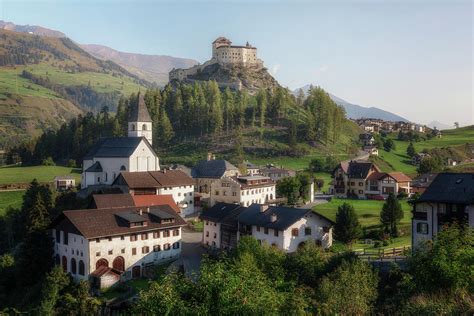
(110, 156)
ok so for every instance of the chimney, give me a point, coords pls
(164, 170)
(273, 218)
(148, 209)
(140, 212)
(209, 156)
(213, 157)
(263, 207)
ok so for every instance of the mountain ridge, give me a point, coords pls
(355, 111)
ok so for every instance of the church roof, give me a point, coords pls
(114, 147)
(96, 167)
(139, 113)
(222, 39)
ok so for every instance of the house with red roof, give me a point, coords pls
(365, 180)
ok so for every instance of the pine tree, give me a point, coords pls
(165, 129)
(262, 108)
(347, 227)
(411, 150)
(292, 134)
(391, 215)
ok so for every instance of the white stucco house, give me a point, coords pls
(449, 198)
(283, 227)
(110, 156)
(105, 246)
(243, 190)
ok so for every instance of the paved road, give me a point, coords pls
(192, 252)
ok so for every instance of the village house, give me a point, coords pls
(277, 173)
(220, 228)
(371, 150)
(283, 227)
(105, 246)
(111, 156)
(243, 190)
(362, 179)
(64, 183)
(252, 169)
(423, 181)
(208, 171)
(164, 182)
(449, 198)
(366, 139)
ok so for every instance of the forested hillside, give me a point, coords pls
(190, 120)
(56, 77)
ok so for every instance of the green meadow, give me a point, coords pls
(14, 174)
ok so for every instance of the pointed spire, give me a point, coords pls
(139, 113)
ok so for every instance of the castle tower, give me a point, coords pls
(220, 41)
(139, 121)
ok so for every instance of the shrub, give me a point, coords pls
(71, 163)
(48, 162)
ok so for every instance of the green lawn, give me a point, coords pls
(398, 160)
(10, 198)
(327, 179)
(12, 83)
(41, 173)
(367, 210)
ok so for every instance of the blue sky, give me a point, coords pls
(413, 58)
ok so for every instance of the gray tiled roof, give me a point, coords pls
(212, 168)
(96, 167)
(114, 147)
(219, 212)
(450, 188)
(359, 170)
(286, 216)
(139, 113)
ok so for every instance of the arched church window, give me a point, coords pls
(133, 127)
(123, 168)
(144, 127)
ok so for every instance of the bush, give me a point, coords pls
(71, 163)
(48, 162)
(402, 195)
(377, 244)
(385, 243)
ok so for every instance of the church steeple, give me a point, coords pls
(139, 120)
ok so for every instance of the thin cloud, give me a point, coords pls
(275, 69)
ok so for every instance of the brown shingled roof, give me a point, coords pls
(167, 178)
(95, 223)
(137, 180)
(154, 179)
(112, 200)
(399, 176)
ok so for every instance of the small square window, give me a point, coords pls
(111, 252)
(97, 254)
(123, 250)
(134, 251)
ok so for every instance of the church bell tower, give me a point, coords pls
(139, 121)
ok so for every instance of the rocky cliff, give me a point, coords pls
(236, 77)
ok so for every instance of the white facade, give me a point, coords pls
(211, 234)
(140, 129)
(142, 159)
(182, 195)
(143, 249)
(426, 224)
(230, 190)
(308, 228)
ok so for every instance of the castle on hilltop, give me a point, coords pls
(224, 54)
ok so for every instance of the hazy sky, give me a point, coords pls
(413, 58)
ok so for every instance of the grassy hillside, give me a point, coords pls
(398, 160)
(10, 198)
(13, 174)
(46, 81)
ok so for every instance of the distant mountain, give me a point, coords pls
(355, 111)
(31, 29)
(439, 125)
(153, 68)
